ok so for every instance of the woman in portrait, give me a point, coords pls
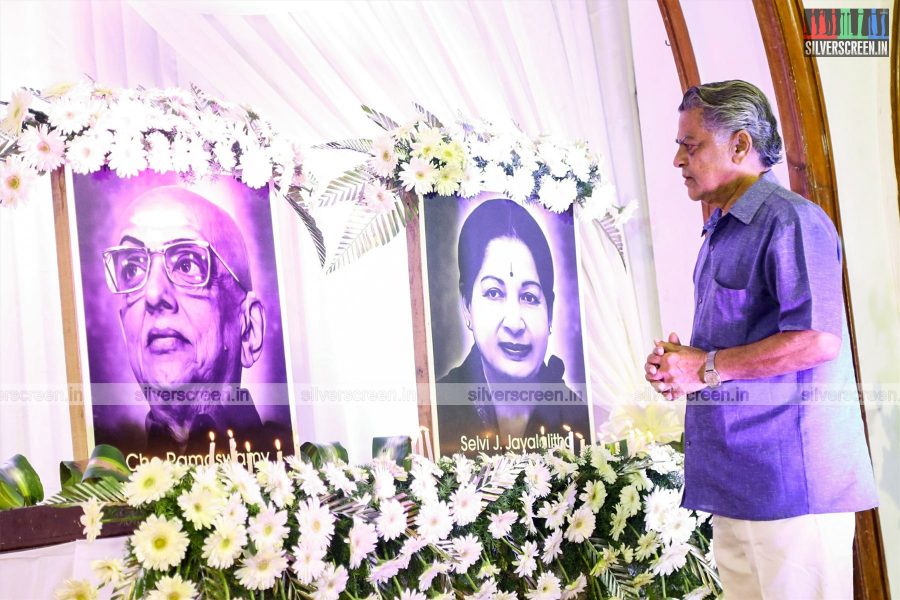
(506, 289)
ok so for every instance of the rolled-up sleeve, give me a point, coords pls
(803, 271)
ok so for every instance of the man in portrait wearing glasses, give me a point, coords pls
(190, 318)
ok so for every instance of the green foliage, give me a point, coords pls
(20, 485)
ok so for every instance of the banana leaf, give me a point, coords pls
(69, 474)
(106, 461)
(19, 474)
(396, 448)
(320, 454)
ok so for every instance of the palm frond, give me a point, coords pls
(367, 230)
(617, 582)
(429, 118)
(358, 145)
(106, 489)
(312, 227)
(705, 571)
(608, 224)
(347, 187)
(381, 120)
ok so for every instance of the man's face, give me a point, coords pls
(705, 159)
(509, 311)
(175, 334)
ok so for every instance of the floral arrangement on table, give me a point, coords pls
(424, 157)
(550, 526)
(89, 127)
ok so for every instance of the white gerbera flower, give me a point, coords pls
(552, 547)
(594, 495)
(547, 588)
(466, 551)
(501, 595)
(256, 169)
(87, 153)
(126, 156)
(537, 479)
(673, 558)
(392, 520)
(520, 185)
(407, 594)
(315, 522)
(470, 182)
(224, 153)
(68, 115)
(332, 582)
(525, 563)
(109, 572)
(16, 179)
(579, 163)
(630, 500)
(554, 513)
(150, 481)
(337, 478)
(433, 521)
(466, 502)
(159, 543)
(419, 175)
(678, 526)
(384, 158)
(159, 155)
(76, 589)
(574, 589)
(658, 505)
(379, 199)
(42, 148)
(527, 518)
(16, 112)
(239, 480)
(173, 588)
(447, 181)
(91, 519)
(501, 524)
(646, 545)
(200, 507)
(618, 522)
(581, 525)
(362, 540)
(224, 544)
(259, 571)
(308, 564)
(488, 570)
(426, 142)
(268, 528)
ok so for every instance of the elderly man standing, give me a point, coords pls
(781, 471)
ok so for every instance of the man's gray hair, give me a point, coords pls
(729, 106)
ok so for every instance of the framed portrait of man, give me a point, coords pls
(504, 326)
(180, 326)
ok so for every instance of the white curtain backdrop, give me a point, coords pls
(560, 68)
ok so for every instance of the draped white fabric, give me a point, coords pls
(560, 68)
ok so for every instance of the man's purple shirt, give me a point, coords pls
(781, 446)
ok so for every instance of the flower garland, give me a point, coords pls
(425, 157)
(549, 526)
(88, 127)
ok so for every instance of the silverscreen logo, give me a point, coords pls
(846, 31)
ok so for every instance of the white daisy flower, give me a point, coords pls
(426, 142)
(16, 112)
(391, 521)
(488, 570)
(673, 558)
(501, 524)
(466, 502)
(557, 195)
(362, 540)
(173, 588)
(384, 158)
(575, 589)
(337, 478)
(466, 551)
(91, 519)
(429, 574)
(259, 571)
(75, 589)
(150, 481)
(200, 507)
(547, 588)
(16, 179)
(520, 185)
(237, 479)
(407, 594)
(630, 500)
(223, 150)
(68, 115)
(433, 521)
(537, 479)
(618, 522)
(109, 572)
(42, 148)
(646, 545)
(419, 175)
(678, 526)
(224, 544)
(525, 563)
(256, 169)
(379, 199)
(268, 528)
(308, 564)
(159, 543)
(581, 525)
(126, 156)
(552, 546)
(470, 182)
(382, 572)
(315, 522)
(332, 582)
(554, 513)
(594, 495)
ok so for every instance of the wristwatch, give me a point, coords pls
(710, 375)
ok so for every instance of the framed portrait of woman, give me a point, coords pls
(178, 313)
(504, 326)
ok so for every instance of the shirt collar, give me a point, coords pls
(745, 208)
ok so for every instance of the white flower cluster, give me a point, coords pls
(538, 526)
(129, 130)
(425, 158)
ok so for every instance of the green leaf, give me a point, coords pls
(311, 226)
(105, 489)
(395, 448)
(320, 454)
(10, 496)
(429, 118)
(19, 473)
(347, 187)
(381, 120)
(106, 461)
(359, 145)
(69, 473)
(366, 230)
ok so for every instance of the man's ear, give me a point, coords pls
(741, 146)
(253, 329)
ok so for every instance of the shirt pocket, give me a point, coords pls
(729, 317)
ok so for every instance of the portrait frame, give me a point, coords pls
(277, 383)
(431, 366)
